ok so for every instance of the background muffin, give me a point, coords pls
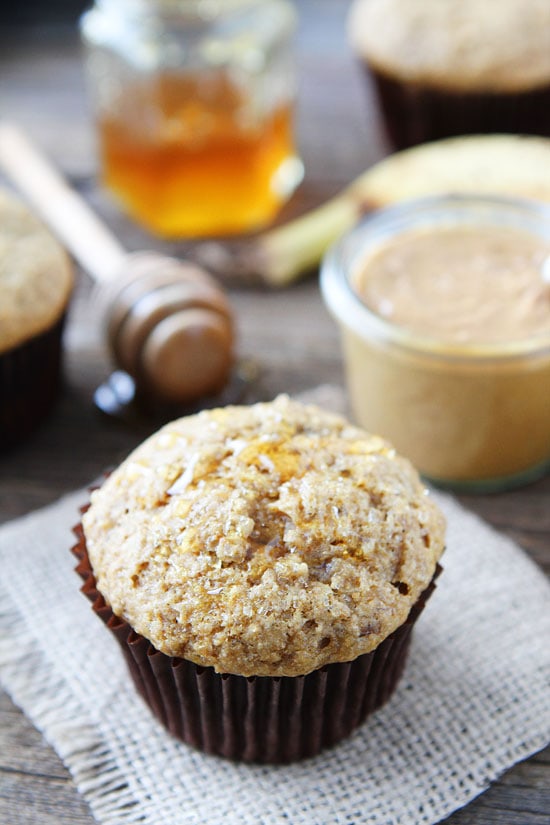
(35, 285)
(451, 67)
(275, 543)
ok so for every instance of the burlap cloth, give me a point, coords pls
(474, 698)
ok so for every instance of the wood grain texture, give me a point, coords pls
(287, 334)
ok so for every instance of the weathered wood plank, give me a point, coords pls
(35, 786)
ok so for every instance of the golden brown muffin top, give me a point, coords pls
(264, 540)
(456, 45)
(35, 275)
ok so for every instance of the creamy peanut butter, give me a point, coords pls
(461, 284)
(444, 308)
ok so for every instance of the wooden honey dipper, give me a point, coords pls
(168, 323)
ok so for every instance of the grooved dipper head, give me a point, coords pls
(170, 326)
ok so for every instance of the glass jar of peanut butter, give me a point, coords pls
(444, 309)
(194, 106)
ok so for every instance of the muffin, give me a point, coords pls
(35, 285)
(262, 568)
(452, 67)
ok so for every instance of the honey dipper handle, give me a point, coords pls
(77, 227)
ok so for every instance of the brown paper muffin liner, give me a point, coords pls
(29, 383)
(415, 114)
(255, 719)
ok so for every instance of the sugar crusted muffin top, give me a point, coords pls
(35, 275)
(456, 44)
(267, 540)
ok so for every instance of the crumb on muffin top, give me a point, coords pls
(267, 540)
(35, 275)
(456, 44)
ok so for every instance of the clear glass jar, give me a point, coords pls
(194, 107)
(471, 416)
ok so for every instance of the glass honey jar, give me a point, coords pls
(193, 102)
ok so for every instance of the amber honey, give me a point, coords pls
(190, 157)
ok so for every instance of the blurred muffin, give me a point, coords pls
(35, 286)
(452, 67)
(262, 568)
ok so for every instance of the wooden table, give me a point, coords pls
(288, 334)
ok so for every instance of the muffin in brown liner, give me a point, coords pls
(455, 67)
(29, 383)
(256, 719)
(413, 113)
(36, 281)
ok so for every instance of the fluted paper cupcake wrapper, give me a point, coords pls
(415, 114)
(29, 382)
(255, 719)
